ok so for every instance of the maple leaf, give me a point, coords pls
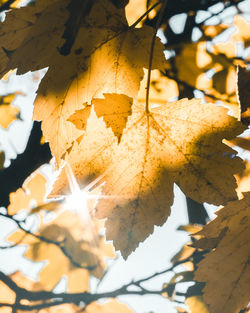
(106, 57)
(114, 110)
(178, 142)
(226, 268)
(33, 190)
(27, 33)
(78, 257)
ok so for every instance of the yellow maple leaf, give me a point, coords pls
(77, 259)
(114, 110)
(28, 32)
(74, 79)
(178, 142)
(32, 192)
(225, 269)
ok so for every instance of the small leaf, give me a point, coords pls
(225, 269)
(115, 110)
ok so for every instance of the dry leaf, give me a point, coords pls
(226, 268)
(30, 36)
(80, 254)
(179, 142)
(105, 58)
(33, 192)
(115, 110)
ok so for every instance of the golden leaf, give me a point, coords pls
(178, 142)
(103, 59)
(115, 110)
(27, 33)
(225, 269)
(34, 189)
(77, 260)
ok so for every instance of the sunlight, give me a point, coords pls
(77, 202)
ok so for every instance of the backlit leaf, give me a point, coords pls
(225, 270)
(77, 260)
(178, 142)
(32, 193)
(115, 52)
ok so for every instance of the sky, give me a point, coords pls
(152, 256)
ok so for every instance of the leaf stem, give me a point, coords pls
(144, 14)
(152, 53)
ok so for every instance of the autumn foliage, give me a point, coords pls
(121, 123)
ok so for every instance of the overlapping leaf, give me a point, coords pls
(32, 193)
(226, 268)
(106, 57)
(75, 257)
(178, 142)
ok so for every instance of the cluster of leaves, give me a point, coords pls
(107, 112)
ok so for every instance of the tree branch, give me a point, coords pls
(34, 155)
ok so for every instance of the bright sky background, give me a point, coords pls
(153, 255)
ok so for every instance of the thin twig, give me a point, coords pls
(152, 53)
(144, 14)
(59, 244)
